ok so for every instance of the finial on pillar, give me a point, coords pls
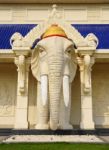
(54, 11)
(54, 6)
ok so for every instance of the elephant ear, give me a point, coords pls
(35, 64)
(69, 46)
(73, 65)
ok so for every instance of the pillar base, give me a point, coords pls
(42, 126)
(65, 127)
(20, 125)
(87, 125)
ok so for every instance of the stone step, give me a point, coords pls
(101, 132)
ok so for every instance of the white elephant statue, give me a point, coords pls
(54, 66)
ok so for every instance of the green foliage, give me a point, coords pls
(53, 146)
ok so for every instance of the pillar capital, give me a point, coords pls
(21, 51)
(86, 51)
(23, 64)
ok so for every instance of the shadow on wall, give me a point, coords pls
(8, 92)
(76, 101)
(32, 100)
(100, 92)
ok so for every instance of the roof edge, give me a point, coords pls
(54, 1)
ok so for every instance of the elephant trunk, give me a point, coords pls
(55, 81)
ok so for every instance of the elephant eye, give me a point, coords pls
(68, 51)
(41, 49)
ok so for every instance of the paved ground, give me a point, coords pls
(104, 138)
(3, 138)
(54, 138)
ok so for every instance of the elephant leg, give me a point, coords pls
(42, 111)
(65, 112)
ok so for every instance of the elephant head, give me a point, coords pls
(54, 65)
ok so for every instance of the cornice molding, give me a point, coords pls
(99, 54)
(55, 1)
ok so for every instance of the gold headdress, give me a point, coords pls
(54, 30)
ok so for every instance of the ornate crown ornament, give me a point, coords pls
(54, 30)
(54, 25)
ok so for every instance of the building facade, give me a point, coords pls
(18, 87)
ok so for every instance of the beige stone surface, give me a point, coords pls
(54, 1)
(100, 86)
(8, 78)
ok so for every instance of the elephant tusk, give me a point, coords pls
(44, 89)
(66, 90)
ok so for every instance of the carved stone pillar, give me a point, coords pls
(21, 115)
(85, 61)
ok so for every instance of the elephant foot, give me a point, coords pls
(66, 127)
(53, 126)
(42, 126)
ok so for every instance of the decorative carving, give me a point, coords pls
(87, 62)
(17, 40)
(54, 18)
(92, 40)
(20, 62)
